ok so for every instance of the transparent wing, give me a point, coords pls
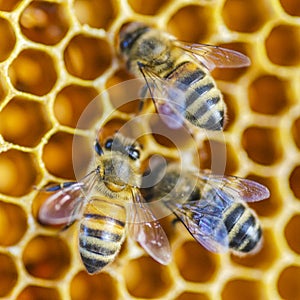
(203, 219)
(213, 56)
(146, 229)
(65, 205)
(168, 99)
(234, 187)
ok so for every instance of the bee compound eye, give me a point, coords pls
(108, 144)
(124, 44)
(98, 148)
(134, 153)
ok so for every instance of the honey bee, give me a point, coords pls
(177, 74)
(212, 207)
(104, 202)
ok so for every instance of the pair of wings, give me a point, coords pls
(170, 100)
(66, 206)
(203, 217)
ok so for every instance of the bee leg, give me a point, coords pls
(60, 186)
(143, 92)
(141, 67)
(67, 226)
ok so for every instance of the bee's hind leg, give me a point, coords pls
(57, 187)
(143, 93)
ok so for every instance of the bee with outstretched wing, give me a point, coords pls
(177, 74)
(213, 208)
(104, 202)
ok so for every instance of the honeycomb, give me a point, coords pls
(57, 56)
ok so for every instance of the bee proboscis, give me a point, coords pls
(177, 74)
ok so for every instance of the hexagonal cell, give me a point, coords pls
(231, 74)
(267, 95)
(262, 145)
(70, 105)
(291, 7)
(179, 138)
(87, 57)
(11, 214)
(46, 257)
(237, 289)
(198, 26)
(288, 283)
(110, 128)
(41, 68)
(282, 45)
(9, 5)
(97, 287)
(291, 232)
(117, 88)
(34, 292)
(192, 296)
(218, 157)
(24, 122)
(8, 274)
(57, 155)
(44, 22)
(195, 263)
(20, 172)
(264, 258)
(271, 206)
(145, 278)
(95, 13)
(245, 16)
(294, 181)
(127, 128)
(7, 39)
(296, 132)
(82, 155)
(151, 7)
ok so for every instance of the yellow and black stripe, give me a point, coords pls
(203, 104)
(244, 231)
(101, 236)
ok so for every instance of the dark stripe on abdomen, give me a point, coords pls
(242, 238)
(104, 218)
(92, 245)
(100, 234)
(206, 106)
(196, 92)
(214, 121)
(233, 215)
(93, 265)
(185, 74)
(252, 242)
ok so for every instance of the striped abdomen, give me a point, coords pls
(243, 228)
(102, 232)
(204, 106)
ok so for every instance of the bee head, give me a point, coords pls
(120, 158)
(120, 144)
(129, 34)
